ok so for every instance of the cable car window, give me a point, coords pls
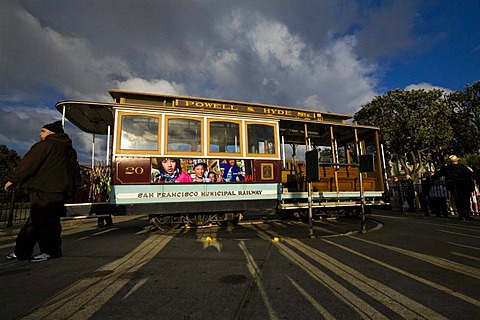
(184, 135)
(261, 139)
(224, 137)
(139, 133)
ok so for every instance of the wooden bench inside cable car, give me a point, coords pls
(347, 179)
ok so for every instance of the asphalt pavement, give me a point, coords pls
(403, 266)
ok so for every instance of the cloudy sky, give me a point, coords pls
(328, 55)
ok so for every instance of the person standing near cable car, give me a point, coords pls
(459, 182)
(409, 192)
(49, 171)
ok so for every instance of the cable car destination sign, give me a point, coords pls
(238, 108)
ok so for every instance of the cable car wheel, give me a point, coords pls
(198, 220)
(230, 218)
(162, 222)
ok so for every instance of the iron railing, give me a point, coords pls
(14, 206)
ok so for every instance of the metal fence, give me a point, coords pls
(95, 187)
(14, 207)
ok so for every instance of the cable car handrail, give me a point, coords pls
(336, 164)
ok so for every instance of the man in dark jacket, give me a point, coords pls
(459, 182)
(48, 170)
(409, 192)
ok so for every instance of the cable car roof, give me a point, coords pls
(91, 117)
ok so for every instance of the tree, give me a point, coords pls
(8, 161)
(465, 122)
(415, 125)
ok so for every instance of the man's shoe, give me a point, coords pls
(11, 256)
(41, 257)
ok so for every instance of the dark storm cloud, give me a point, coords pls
(313, 54)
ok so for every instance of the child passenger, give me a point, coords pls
(231, 171)
(171, 171)
(212, 176)
(199, 170)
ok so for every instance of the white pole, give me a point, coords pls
(93, 152)
(283, 153)
(384, 166)
(107, 162)
(360, 181)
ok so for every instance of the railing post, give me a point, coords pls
(10, 215)
(402, 198)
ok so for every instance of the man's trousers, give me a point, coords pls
(43, 226)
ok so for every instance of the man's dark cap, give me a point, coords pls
(55, 127)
